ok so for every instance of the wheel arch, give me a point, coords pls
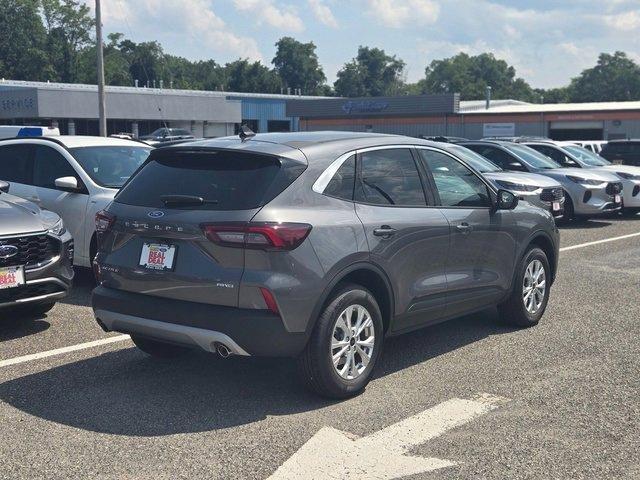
(543, 241)
(367, 275)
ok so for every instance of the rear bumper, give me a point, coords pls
(199, 325)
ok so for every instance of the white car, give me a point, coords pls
(594, 146)
(74, 176)
(569, 154)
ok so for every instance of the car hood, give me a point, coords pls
(532, 179)
(588, 173)
(630, 169)
(18, 216)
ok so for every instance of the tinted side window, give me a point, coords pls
(49, 164)
(389, 177)
(342, 183)
(555, 154)
(15, 163)
(495, 155)
(456, 184)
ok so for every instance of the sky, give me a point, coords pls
(548, 42)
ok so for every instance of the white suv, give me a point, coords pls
(74, 176)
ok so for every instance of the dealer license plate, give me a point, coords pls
(158, 256)
(556, 206)
(11, 277)
(617, 199)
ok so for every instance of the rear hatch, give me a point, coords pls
(176, 229)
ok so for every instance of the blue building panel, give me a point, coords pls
(264, 109)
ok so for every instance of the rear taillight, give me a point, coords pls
(104, 221)
(267, 236)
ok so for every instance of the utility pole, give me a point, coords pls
(102, 119)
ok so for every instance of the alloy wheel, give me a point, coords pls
(352, 342)
(534, 286)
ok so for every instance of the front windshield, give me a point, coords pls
(159, 132)
(476, 160)
(585, 156)
(110, 166)
(532, 157)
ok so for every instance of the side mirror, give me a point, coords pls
(4, 186)
(67, 184)
(506, 200)
(516, 166)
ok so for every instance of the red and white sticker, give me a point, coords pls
(617, 199)
(556, 206)
(11, 277)
(157, 256)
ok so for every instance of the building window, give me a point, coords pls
(279, 125)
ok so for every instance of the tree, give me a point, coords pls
(69, 27)
(23, 53)
(243, 76)
(297, 65)
(116, 65)
(470, 76)
(371, 73)
(614, 78)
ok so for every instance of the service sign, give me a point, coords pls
(499, 130)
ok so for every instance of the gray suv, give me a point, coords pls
(36, 257)
(315, 246)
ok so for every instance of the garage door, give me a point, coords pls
(576, 130)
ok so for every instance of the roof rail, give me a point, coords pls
(48, 139)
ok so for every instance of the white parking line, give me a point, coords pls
(120, 338)
(588, 244)
(60, 351)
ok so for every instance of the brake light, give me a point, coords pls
(104, 221)
(267, 236)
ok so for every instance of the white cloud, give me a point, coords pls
(265, 10)
(194, 21)
(400, 13)
(626, 22)
(323, 13)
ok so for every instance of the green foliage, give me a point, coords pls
(372, 73)
(470, 75)
(243, 76)
(68, 25)
(614, 78)
(23, 42)
(298, 66)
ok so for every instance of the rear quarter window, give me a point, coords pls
(226, 180)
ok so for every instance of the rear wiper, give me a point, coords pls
(169, 200)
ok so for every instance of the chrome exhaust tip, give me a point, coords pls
(223, 350)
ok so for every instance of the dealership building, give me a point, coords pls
(435, 115)
(73, 108)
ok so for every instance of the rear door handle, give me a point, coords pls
(464, 228)
(384, 231)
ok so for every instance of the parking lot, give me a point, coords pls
(564, 395)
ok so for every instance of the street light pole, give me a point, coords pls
(102, 119)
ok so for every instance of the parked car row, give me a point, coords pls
(313, 245)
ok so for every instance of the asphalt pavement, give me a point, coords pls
(570, 390)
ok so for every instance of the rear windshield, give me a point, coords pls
(225, 180)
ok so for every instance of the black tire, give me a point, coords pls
(569, 212)
(158, 349)
(315, 364)
(513, 311)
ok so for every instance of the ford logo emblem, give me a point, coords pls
(8, 251)
(156, 214)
